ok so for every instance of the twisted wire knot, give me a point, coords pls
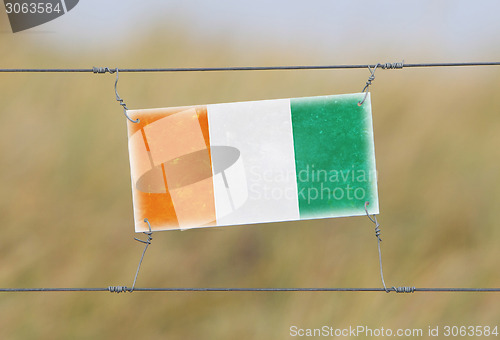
(368, 83)
(122, 103)
(370, 79)
(374, 220)
(392, 66)
(118, 289)
(103, 70)
(378, 232)
(147, 233)
(403, 289)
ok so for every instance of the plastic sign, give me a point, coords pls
(252, 162)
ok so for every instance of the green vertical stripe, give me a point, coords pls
(334, 155)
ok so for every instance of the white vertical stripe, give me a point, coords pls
(64, 6)
(262, 132)
(238, 191)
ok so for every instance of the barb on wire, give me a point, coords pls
(377, 235)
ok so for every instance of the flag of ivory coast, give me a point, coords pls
(252, 162)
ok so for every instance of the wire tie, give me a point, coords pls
(147, 243)
(102, 70)
(377, 235)
(368, 83)
(118, 99)
(121, 289)
(385, 66)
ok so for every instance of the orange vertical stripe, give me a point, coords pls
(145, 140)
(202, 113)
(159, 207)
(164, 177)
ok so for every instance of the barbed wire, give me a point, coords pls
(398, 65)
(121, 289)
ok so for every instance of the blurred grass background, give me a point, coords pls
(66, 210)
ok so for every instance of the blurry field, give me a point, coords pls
(66, 209)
